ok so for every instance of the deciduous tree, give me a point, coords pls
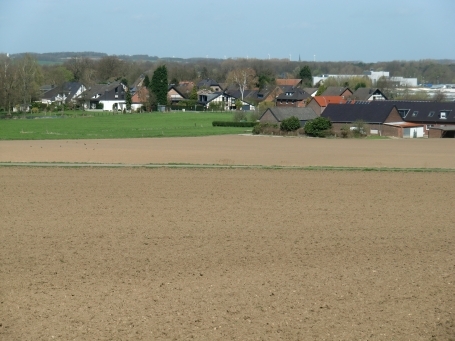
(242, 78)
(8, 83)
(29, 78)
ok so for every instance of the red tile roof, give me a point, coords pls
(323, 101)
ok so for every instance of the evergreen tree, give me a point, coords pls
(158, 85)
(128, 99)
(146, 81)
(305, 75)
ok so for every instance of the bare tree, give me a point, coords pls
(110, 66)
(243, 78)
(29, 77)
(56, 74)
(80, 67)
(8, 83)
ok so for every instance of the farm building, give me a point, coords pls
(380, 118)
(428, 114)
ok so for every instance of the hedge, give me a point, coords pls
(233, 124)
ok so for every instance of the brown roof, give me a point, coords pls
(323, 101)
(290, 81)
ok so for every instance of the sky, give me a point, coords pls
(321, 30)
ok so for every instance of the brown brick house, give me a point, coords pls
(380, 117)
(292, 97)
(428, 114)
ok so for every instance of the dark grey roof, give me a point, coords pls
(281, 113)
(369, 112)
(364, 93)
(207, 83)
(100, 92)
(176, 88)
(69, 89)
(310, 90)
(425, 112)
(249, 96)
(294, 94)
(94, 91)
(335, 91)
(106, 92)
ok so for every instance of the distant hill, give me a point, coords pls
(61, 57)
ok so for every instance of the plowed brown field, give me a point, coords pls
(227, 254)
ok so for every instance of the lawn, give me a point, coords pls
(74, 126)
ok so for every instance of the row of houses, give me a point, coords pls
(288, 98)
(401, 119)
(112, 96)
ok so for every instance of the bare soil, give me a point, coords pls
(240, 150)
(227, 254)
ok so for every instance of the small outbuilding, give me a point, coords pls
(277, 114)
(441, 132)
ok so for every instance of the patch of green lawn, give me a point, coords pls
(73, 126)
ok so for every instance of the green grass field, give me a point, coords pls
(74, 126)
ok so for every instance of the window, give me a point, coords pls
(431, 114)
(415, 113)
(443, 115)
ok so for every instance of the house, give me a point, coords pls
(185, 88)
(381, 118)
(319, 103)
(45, 88)
(278, 114)
(137, 84)
(269, 93)
(219, 99)
(337, 91)
(428, 114)
(209, 84)
(139, 99)
(311, 91)
(110, 96)
(249, 98)
(65, 93)
(368, 94)
(292, 97)
(174, 95)
(293, 82)
(88, 98)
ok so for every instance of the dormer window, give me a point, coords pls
(289, 93)
(403, 112)
(415, 113)
(431, 114)
(443, 115)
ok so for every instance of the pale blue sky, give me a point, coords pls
(332, 30)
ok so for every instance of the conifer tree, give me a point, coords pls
(158, 85)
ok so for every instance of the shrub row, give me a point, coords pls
(233, 124)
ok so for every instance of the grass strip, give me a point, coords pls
(221, 166)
